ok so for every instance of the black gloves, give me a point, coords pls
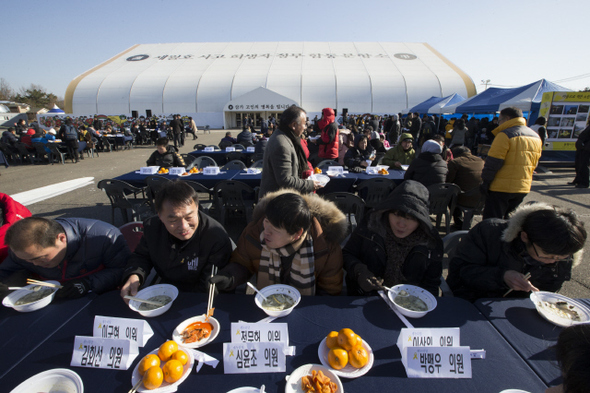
(356, 169)
(367, 280)
(74, 289)
(223, 281)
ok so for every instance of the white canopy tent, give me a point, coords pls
(202, 79)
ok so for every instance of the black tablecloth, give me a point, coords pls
(530, 335)
(138, 180)
(308, 324)
(23, 332)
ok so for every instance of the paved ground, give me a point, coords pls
(91, 202)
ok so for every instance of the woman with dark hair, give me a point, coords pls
(458, 135)
(572, 352)
(293, 239)
(395, 244)
(539, 128)
(357, 157)
(284, 158)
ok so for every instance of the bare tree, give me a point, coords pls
(6, 92)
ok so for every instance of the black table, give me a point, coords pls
(530, 335)
(23, 332)
(313, 318)
(209, 181)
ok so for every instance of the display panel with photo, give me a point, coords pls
(583, 108)
(565, 134)
(567, 122)
(571, 109)
(556, 110)
(553, 121)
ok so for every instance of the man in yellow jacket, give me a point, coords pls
(508, 171)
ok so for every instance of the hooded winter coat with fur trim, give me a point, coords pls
(422, 265)
(494, 246)
(328, 229)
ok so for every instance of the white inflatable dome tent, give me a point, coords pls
(220, 83)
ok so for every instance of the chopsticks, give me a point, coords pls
(138, 299)
(136, 386)
(526, 277)
(211, 295)
(42, 283)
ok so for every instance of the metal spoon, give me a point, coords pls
(256, 289)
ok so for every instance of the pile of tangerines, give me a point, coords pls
(383, 171)
(317, 170)
(173, 360)
(346, 347)
(163, 171)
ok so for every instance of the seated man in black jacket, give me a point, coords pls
(163, 157)
(533, 250)
(181, 243)
(82, 254)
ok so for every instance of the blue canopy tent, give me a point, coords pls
(56, 110)
(527, 98)
(436, 104)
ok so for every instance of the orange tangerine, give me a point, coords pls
(358, 357)
(332, 339)
(147, 362)
(153, 378)
(173, 370)
(181, 356)
(166, 350)
(347, 338)
(337, 358)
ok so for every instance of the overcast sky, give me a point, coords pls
(511, 43)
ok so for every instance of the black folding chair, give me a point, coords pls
(124, 196)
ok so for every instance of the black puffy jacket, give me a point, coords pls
(427, 168)
(96, 251)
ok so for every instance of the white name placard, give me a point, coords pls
(244, 332)
(435, 337)
(437, 362)
(336, 169)
(246, 358)
(109, 353)
(209, 148)
(177, 170)
(136, 330)
(148, 170)
(251, 149)
(229, 148)
(211, 170)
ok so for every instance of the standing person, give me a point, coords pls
(543, 240)
(176, 131)
(582, 159)
(459, 134)
(416, 125)
(395, 244)
(182, 133)
(284, 158)
(192, 128)
(428, 129)
(508, 171)
(328, 140)
(394, 131)
(539, 128)
(263, 126)
(465, 171)
(69, 134)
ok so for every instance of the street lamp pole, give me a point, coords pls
(485, 82)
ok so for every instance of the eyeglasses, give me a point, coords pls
(550, 259)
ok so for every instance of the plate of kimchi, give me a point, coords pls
(196, 332)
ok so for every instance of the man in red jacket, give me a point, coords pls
(10, 212)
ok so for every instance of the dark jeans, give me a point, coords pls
(500, 204)
(72, 146)
(582, 170)
(177, 140)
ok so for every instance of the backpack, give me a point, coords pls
(70, 133)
